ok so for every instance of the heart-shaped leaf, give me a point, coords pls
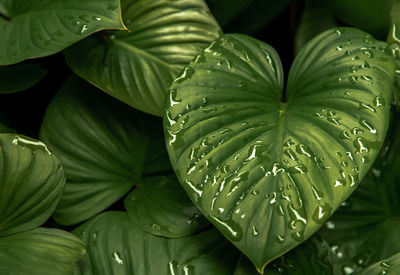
(160, 206)
(389, 266)
(311, 257)
(268, 167)
(40, 251)
(37, 28)
(138, 67)
(105, 148)
(366, 228)
(31, 183)
(117, 246)
(20, 77)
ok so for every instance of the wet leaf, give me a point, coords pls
(138, 67)
(105, 147)
(20, 77)
(31, 183)
(36, 28)
(365, 229)
(389, 266)
(268, 167)
(40, 251)
(311, 257)
(160, 206)
(118, 246)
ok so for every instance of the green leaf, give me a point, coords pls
(20, 77)
(105, 147)
(160, 206)
(369, 15)
(389, 266)
(311, 257)
(138, 67)
(31, 183)
(365, 229)
(393, 40)
(269, 173)
(316, 18)
(40, 251)
(117, 246)
(38, 28)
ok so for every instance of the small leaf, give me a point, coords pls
(20, 77)
(160, 206)
(365, 229)
(105, 147)
(389, 266)
(138, 67)
(268, 167)
(311, 257)
(38, 28)
(40, 251)
(316, 18)
(117, 246)
(31, 183)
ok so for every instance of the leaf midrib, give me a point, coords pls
(140, 51)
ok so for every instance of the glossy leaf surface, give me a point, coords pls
(40, 251)
(269, 173)
(20, 77)
(138, 67)
(117, 246)
(37, 28)
(365, 229)
(105, 148)
(160, 206)
(389, 266)
(31, 183)
(311, 257)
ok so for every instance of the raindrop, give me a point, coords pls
(117, 257)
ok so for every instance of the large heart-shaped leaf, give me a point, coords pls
(311, 257)
(117, 246)
(105, 148)
(31, 183)
(160, 206)
(40, 251)
(389, 266)
(37, 28)
(269, 167)
(138, 67)
(366, 228)
(20, 77)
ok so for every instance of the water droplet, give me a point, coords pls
(31, 144)
(117, 257)
(365, 106)
(338, 32)
(379, 101)
(356, 57)
(348, 270)
(322, 213)
(344, 135)
(255, 231)
(279, 238)
(339, 47)
(368, 125)
(353, 79)
(156, 227)
(186, 74)
(229, 227)
(330, 225)
(96, 18)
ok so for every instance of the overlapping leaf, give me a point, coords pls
(37, 28)
(31, 183)
(268, 167)
(20, 77)
(40, 251)
(117, 246)
(365, 229)
(138, 67)
(389, 266)
(160, 206)
(105, 147)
